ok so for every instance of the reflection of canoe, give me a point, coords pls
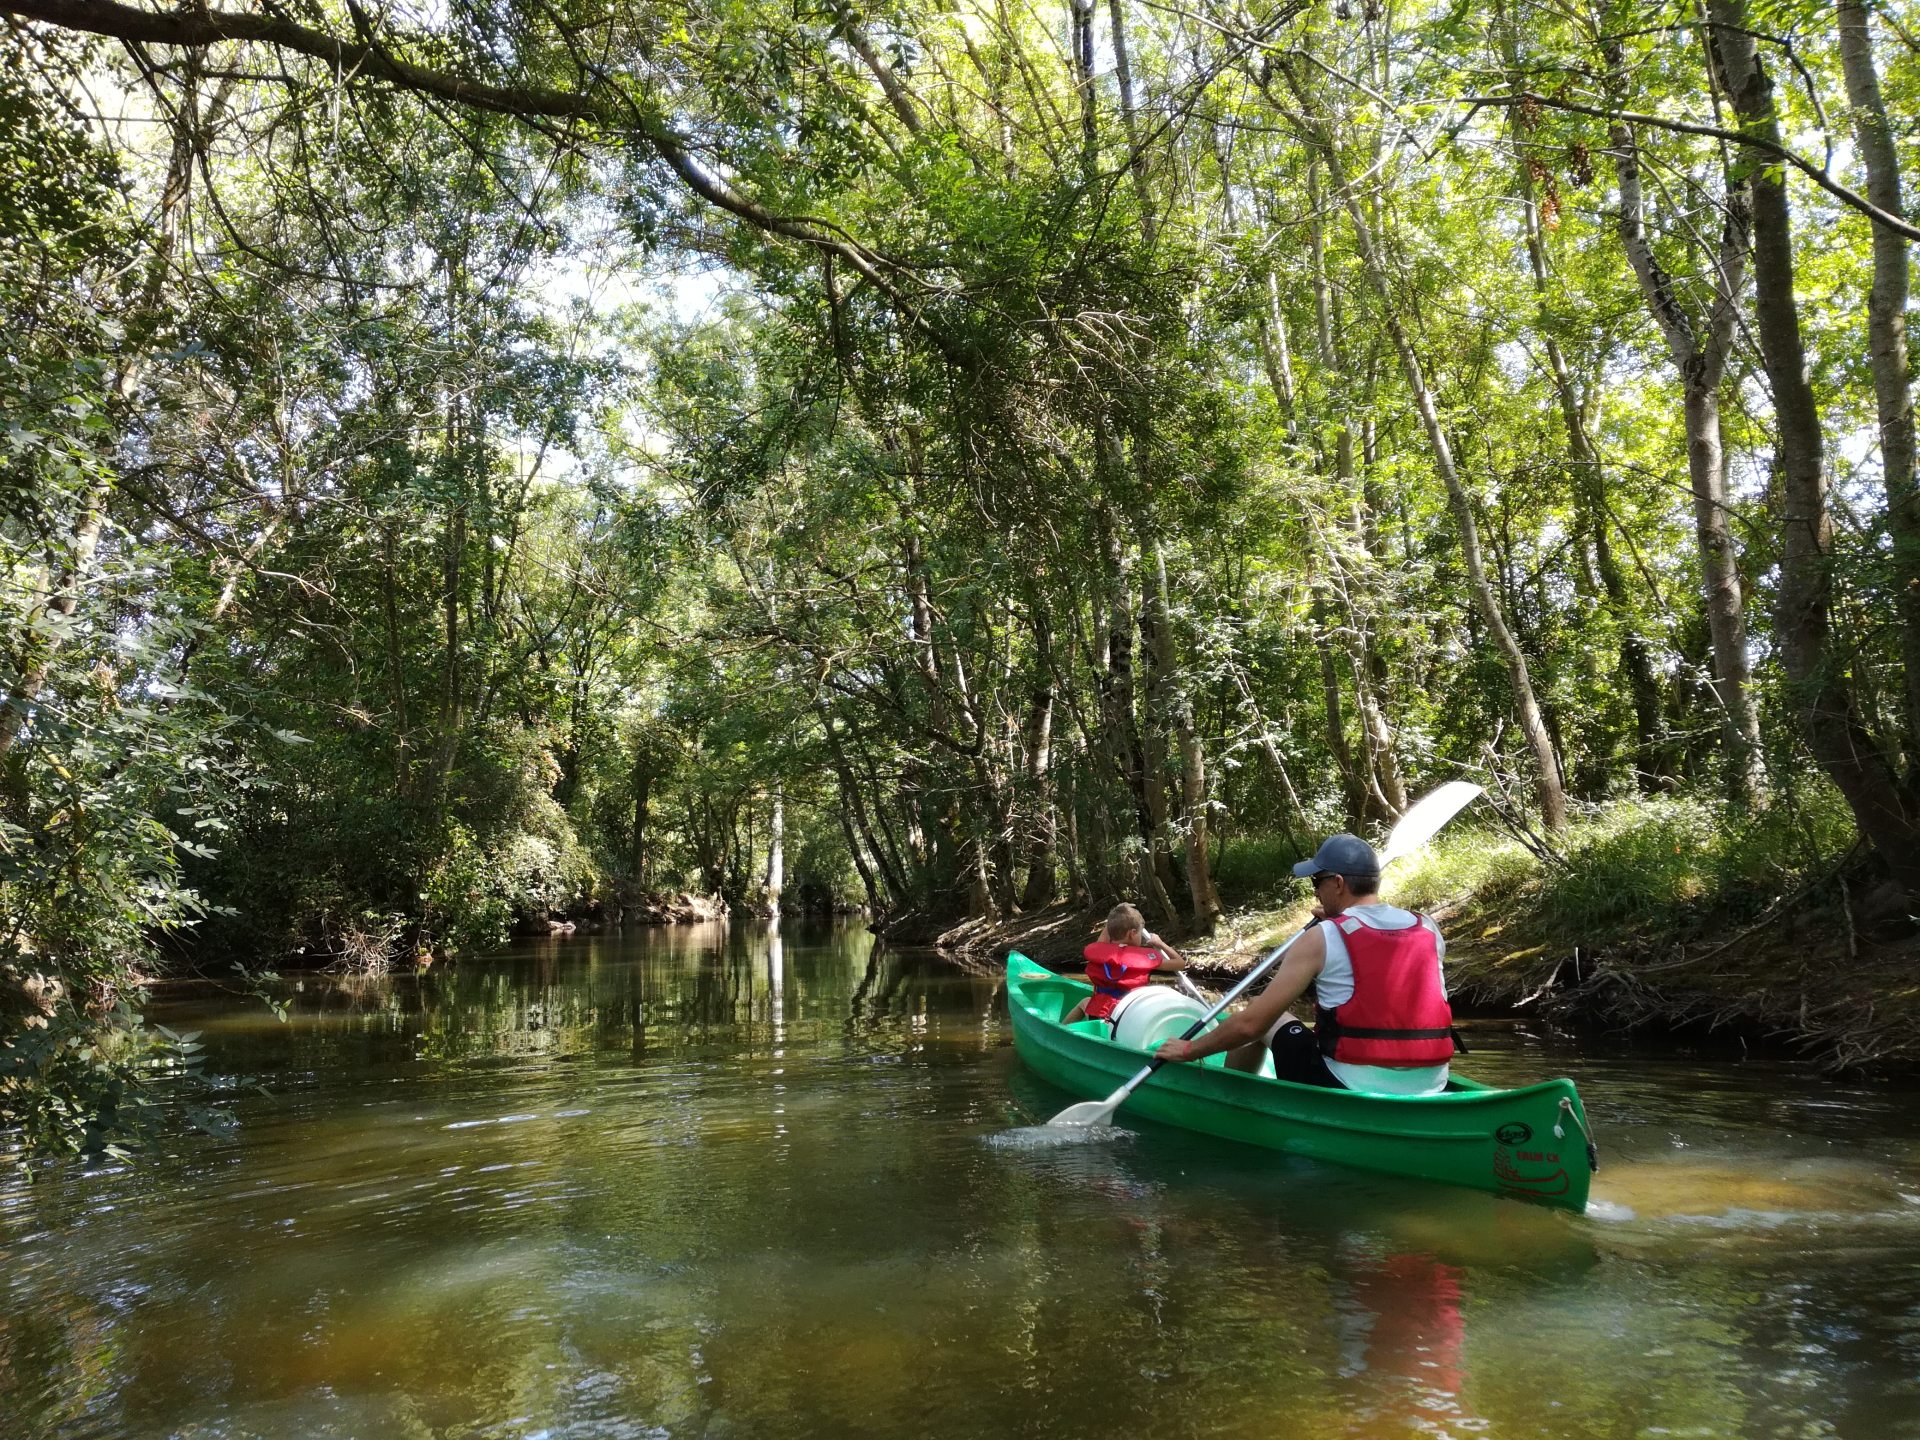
(1529, 1143)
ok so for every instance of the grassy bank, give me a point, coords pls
(1658, 915)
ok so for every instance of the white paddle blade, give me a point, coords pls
(1085, 1115)
(1424, 820)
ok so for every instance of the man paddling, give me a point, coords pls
(1381, 1024)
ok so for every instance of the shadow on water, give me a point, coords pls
(725, 1180)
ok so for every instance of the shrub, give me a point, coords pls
(1257, 870)
(1636, 867)
(1488, 866)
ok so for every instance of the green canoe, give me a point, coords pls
(1530, 1143)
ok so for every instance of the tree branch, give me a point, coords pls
(197, 28)
(1686, 127)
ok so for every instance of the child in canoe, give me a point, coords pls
(1122, 960)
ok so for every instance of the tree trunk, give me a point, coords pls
(1038, 747)
(1384, 786)
(776, 852)
(642, 804)
(1293, 808)
(453, 552)
(1353, 790)
(1887, 345)
(981, 904)
(1136, 152)
(1118, 715)
(1374, 779)
(1881, 804)
(890, 85)
(1202, 895)
(938, 863)
(1720, 576)
(1079, 891)
(1547, 784)
(860, 861)
(1589, 489)
(1080, 60)
(1100, 780)
(996, 819)
(1701, 360)
(892, 876)
(1330, 357)
(1154, 747)
(1276, 357)
(396, 666)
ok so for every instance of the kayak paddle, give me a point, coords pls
(1416, 827)
(1180, 979)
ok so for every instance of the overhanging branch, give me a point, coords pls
(195, 29)
(1691, 127)
(198, 28)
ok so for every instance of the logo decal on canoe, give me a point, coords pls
(1514, 1134)
(1516, 1181)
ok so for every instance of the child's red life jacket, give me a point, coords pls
(1114, 969)
(1398, 1016)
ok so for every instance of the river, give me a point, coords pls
(708, 1181)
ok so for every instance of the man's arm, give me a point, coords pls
(1299, 970)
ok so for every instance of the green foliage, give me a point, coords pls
(57, 182)
(1672, 865)
(90, 1086)
(470, 894)
(383, 562)
(1257, 870)
(817, 856)
(1637, 872)
(1494, 870)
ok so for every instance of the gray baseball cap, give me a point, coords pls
(1340, 855)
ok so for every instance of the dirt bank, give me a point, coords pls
(1801, 980)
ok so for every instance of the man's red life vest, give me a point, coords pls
(1113, 970)
(1398, 1016)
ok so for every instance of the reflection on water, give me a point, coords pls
(724, 1181)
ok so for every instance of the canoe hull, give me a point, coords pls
(1502, 1141)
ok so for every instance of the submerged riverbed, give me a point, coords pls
(711, 1181)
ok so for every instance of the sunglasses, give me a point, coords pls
(1320, 875)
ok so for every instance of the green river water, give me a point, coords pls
(706, 1181)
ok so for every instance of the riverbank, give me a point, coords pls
(1646, 921)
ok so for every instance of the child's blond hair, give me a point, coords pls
(1122, 921)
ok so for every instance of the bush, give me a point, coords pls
(1636, 863)
(1636, 867)
(84, 1084)
(1490, 867)
(1257, 870)
(474, 891)
(466, 904)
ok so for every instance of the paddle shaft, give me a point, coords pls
(1256, 973)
